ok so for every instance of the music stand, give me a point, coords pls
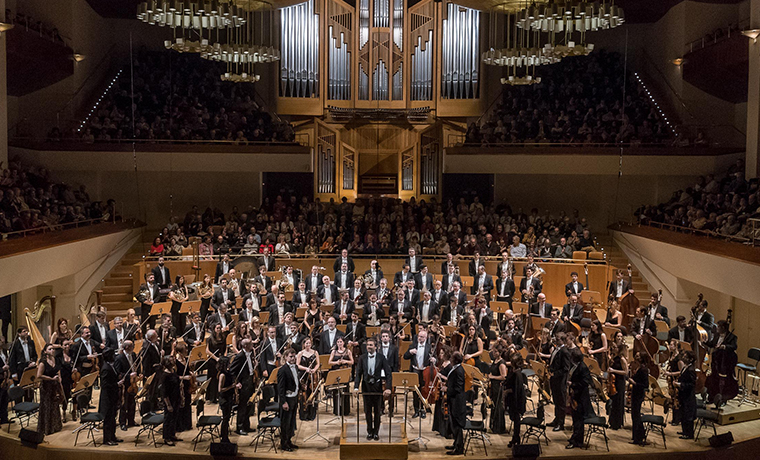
(407, 380)
(500, 308)
(301, 312)
(263, 317)
(28, 378)
(198, 353)
(190, 307)
(593, 297)
(335, 381)
(161, 308)
(316, 397)
(341, 328)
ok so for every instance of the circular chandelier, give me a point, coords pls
(566, 16)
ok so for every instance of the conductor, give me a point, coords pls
(369, 373)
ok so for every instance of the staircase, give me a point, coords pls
(618, 259)
(117, 286)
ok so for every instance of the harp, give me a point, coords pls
(36, 318)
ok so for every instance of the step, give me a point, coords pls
(118, 289)
(118, 306)
(118, 297)
(119, 281)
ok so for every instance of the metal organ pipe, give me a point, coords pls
(299, 41)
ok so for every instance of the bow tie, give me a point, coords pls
(371, 356)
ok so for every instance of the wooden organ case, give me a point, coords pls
(369, 84)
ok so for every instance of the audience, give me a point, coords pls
(379, 226)
(179, 97)
(579, 101)
(719, 206)
(30, 199)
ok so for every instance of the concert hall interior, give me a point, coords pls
(379, 229)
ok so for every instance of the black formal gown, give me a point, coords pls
(50, 401)
(218, 348)
(617, 401)
(308, 412)
(345, 403)
(497, 421)
(185, 414)
(170, 390)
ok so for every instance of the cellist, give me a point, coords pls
(420, 357)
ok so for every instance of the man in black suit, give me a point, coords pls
(458, 294)
(343, 308)
(449, 262)
(681, 331)
(448, 280)
(559, 366)
(263, 279)
(574, 286)
(401, 307)
(279, 308)
(223, 318)
(357, 294)
(296, 338)
(109, 397)
(4, 374)
(579, 383)
(313, 280)
(705, 318)
(271, 352)
(439, 295)
(343, 258)
(412, 293)
(283, 329)
(452, 313)
(301, 295)
(505, 288)
(127, 367)
(483, 316)
(23, 354)
(474, 267)
(383, 293)
(723, 339)
(656, 311)
(223, 296)
(373, 306)
(147, 295)
(356, 332)
(344, 279)
(390, 352)
(572, 310)
(99, 329)
(161, 274)
(328, 337)
(414, 261)
(194, 332)
(115, 337)
(426, 308)
(400, 278)
(267, 260)
(287, 392)
(222, 268)
(541, 307)
(620, 286)
(512, 334)
(375, 272)
(455, 397)
(555, 325)
(424, 280)
(371, 371)
(248, 312)
(419, 358)
(151, 364)
(327, 293)
(242, 367)
(642, 324)
(525, 286)
(86, 354)
(482, 282)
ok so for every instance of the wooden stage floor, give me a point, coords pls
(60, 446)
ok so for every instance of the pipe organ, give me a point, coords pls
(299, 48)
(339, 36)
(421, 27)
(461, 52)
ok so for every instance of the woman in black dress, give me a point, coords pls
(598, 344)
(308, 362)
(185, 412)
(614, 315)
(440, 419)
(640, 382)
(472, 349)
(340, 358)
(514, 389)
(171, 396)
(672, 374)
(67, 367)
(216, 348)
(498, 374)
(177, 295)
(619, 369)
(205, 292)
(61, 334)
(226, 390)
(51, 393)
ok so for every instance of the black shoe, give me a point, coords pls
(416, 414)
(558, 428)
(455, 452)
(118, 440)
(680, 432)
(241, 433)
(286, 449)
(123, 427)
(111, 443)
(552, 423)
(376, 437)
(451, 447)
(176, 439)
(423, 414)
(293, 446)
(683, 436)
(370, 436)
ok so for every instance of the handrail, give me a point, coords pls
(689, 47)
(662, 76)
(554, 144)
(57, 227)
(690, 230)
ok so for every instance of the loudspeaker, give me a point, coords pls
(721, 440)
(30, 437)
(223, 449)
(526, 450)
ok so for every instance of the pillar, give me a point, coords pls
(3, 94)
(752, 163)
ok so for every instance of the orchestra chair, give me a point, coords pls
(268, 428)
(595, 255)
(754, 355)
(579, 255)
(474, 429)
(596, 424)
(705, 418)
(207, 424)
(24, 410)
(536, 427)
(150, 422)
(654, 423)
(89, 420)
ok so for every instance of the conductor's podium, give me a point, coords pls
(392, 445)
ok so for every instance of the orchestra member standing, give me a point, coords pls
(226, 391)
(109, 398)
(372, 370)
(619, 369)
(516, 396)
(125, 365)
(580, 383)
(640, 382)
(455, 397)
(419, 358)
(170, 393)
(686, 384)
(559, 365)
(242, 367)
(287, 391)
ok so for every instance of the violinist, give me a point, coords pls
(88, 353)
(452, 313)
(132, 326)
(574, 286)
(151, 364)
(559, 365)
(67, 368)
(341, 358)
(640, 383)
(515, 394)
(313, 321)
(242, 367)
(383, 293)
(681, 331)
(185, 414)
(223, 318)
(598, 344)
(497, 377)
(307, 361)
(545, 347)
(226, 391)
(116, 336)
(167, 335)
(390, 352)
(127, 368)
(370, 370)
(419, 358)
(686, 384)
(483, 315)
(619, 371)
(643, 324)
(356, 334)
(171, 396)
(396, 330)
(579, 382)
(195, 332)
(256, 332)
(440, 411)
(283, 329)
(109, 398)
(343, 308)
(512, 334)
(614, 315)
(672, 372)
(554, 324)
(216, 348)
(357, 293)
(618, 338)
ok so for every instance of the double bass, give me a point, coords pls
(721, 384)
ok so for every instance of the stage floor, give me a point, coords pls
(317, 448)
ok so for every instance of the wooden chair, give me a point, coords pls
(579, 255)
(594, 255)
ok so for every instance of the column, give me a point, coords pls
(3, 94)
(752, 163)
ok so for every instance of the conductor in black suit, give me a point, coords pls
(343, 258)
(455, 396)
(371, 371)
(287, 392)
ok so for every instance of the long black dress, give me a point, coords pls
(185, 414)
(515, 400)
(170, 390)
(67, 367)
(617, 404)
(308, 412)
(641, 383)
(345, 403)
(440, 421)
(497, 422)
(50, 401)
(688, 400)
(226, 400)
(218, 349)
(595, 340)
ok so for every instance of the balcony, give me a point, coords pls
(35, 61)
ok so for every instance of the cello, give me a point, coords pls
(628, 302)
(721, 384)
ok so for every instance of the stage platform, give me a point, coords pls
(392, 445)
(733, 413)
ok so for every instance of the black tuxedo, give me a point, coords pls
(264, 281)
(371, 381)
(325, 346)
(112, 340)
(534, 309)
(309, 280)
(730, 341)
(95, 332)
(333, 293)
(383, 296)
(191, 337)
(359, 336)
(555, 329)
(569, 289)
(613, 288)
(347, 278)
(445, 267)
(412, 296)
(417, 263)
(472, 269)
(17, 362)
(109, 400)
(455, 396)
(413, 367)
(432, 309)
(268, 262)
(256, 298)
(448, 286)
(350, 307)
(446, 314)
(648, 325)
(535, 282)
(268, 360)
(287, 383)
(299, 298)
(441, 297)
(574, 314)
(688, 334)
(663, 311)
(559, 366)
(486, 320)
(401, 277)
(357, 296)
(515, 336)
(707, 322)
(461, 297)
(274, 312)
(163, 280)
(127, 406)
(378, 276)
(81, 353)
(221, 270)
(349, 264)
(487, 285)
(368, 310)
(407, 309)
(392, 356)
(239, 367)
(247, 316)
(427, 284)
(218, 298)
(505, 290)
(216, 318)
(145, 308)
